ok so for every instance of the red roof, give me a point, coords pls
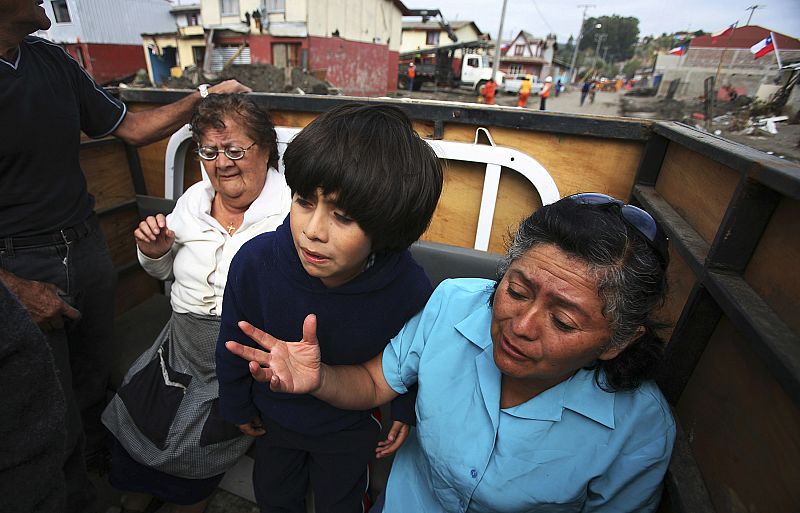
(745, 37)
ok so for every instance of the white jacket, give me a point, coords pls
(203, 250)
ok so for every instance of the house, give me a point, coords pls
(354, 44)
(729, 56)
(105, 37)
(183, 46)
(529, 55)
(418, 35)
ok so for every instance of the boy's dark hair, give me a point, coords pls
(211, 112)
(384, 175)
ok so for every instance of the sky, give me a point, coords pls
(540, 17)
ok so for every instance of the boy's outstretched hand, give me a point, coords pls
(394, 439)
(293, 368)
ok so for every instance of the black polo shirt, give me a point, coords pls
(46, 99)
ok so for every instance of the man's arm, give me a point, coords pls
(145, 127)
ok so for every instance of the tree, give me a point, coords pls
(622, 33)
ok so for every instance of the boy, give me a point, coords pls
(364, 187)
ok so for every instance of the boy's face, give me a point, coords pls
(331, 246)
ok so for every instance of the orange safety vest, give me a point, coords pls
(412, 71)
(546, 91)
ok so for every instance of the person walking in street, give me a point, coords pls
(524, 92)
(585, 90)
(412, 74)
(558, 87)
(488, 90)
(548, 85)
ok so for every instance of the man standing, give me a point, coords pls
(412, 74)
(585, 90)
(488, 91)
(548, 84)
(524, 91)
(53, 256)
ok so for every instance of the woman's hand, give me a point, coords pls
(293, 368)
(394, 439)
(254, 428)
(153, 237)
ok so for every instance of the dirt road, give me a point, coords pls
(605, 104)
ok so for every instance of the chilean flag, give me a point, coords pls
(680, 50)
(720, 33)
(763, 47)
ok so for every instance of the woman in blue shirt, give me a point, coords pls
(535, 391)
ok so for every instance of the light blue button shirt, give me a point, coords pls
(573, 447)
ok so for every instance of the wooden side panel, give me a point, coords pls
(134, 286)
(772, 271)
(107, 174)
(680, 280)
(118, 226)
(456, 218)
(292, 119)
(698, 188)
(743, 428)
(151, 158)
(576, 163)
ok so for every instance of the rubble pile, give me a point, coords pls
(263, 78)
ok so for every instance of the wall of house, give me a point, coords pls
(100, 21)
(368, 21)
(105, 63)
(738, 69)
(358, 69)
(415, 39)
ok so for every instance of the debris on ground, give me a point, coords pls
(262, 78)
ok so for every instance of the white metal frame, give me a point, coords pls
(495, 158)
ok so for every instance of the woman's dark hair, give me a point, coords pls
(630, 277)
(383, 174)
(212, 110)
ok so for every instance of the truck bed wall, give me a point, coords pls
(732, 214)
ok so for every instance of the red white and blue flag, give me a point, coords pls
(724, 32)
(680, 50)
(763, 47)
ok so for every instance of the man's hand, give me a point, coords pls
(292, 368)
(254, 428)
(153, 237)
(229, 87)
(41, 300)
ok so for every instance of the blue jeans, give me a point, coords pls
(83, 270)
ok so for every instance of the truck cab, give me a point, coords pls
(476, 70)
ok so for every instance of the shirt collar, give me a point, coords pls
(14, 64)
(580, 393)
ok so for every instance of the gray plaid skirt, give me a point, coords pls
(166, 412)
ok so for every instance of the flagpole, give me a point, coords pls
(777, 54)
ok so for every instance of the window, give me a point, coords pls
(516, 69)
(432, 38)
(286, 55)
(519, 50)
(192, 20)
(275, 6)
(61, 11)
(229, 7)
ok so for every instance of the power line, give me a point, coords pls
(542, 17)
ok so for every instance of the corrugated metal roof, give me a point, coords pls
(745, 37)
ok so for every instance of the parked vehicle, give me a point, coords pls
(457, 65)
(512, 83)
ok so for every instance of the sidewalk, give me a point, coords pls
(605, 104)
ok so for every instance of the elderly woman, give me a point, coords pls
(170, 441)
(535, 391)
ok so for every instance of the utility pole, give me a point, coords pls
(572, 69)
(752, 9)
(496, 63)
(600, 38)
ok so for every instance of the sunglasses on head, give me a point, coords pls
(634, 217)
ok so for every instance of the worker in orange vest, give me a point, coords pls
(411, 73)
(524, 91)
(488, 90)
(548, 84)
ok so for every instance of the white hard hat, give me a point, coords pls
(548, 79)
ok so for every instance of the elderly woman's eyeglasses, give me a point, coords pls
(232, 152)
(635, 217)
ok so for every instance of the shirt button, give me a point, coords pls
(473, 473)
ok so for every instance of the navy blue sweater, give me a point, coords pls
(268, 287)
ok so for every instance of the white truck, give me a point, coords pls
(453, 66)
